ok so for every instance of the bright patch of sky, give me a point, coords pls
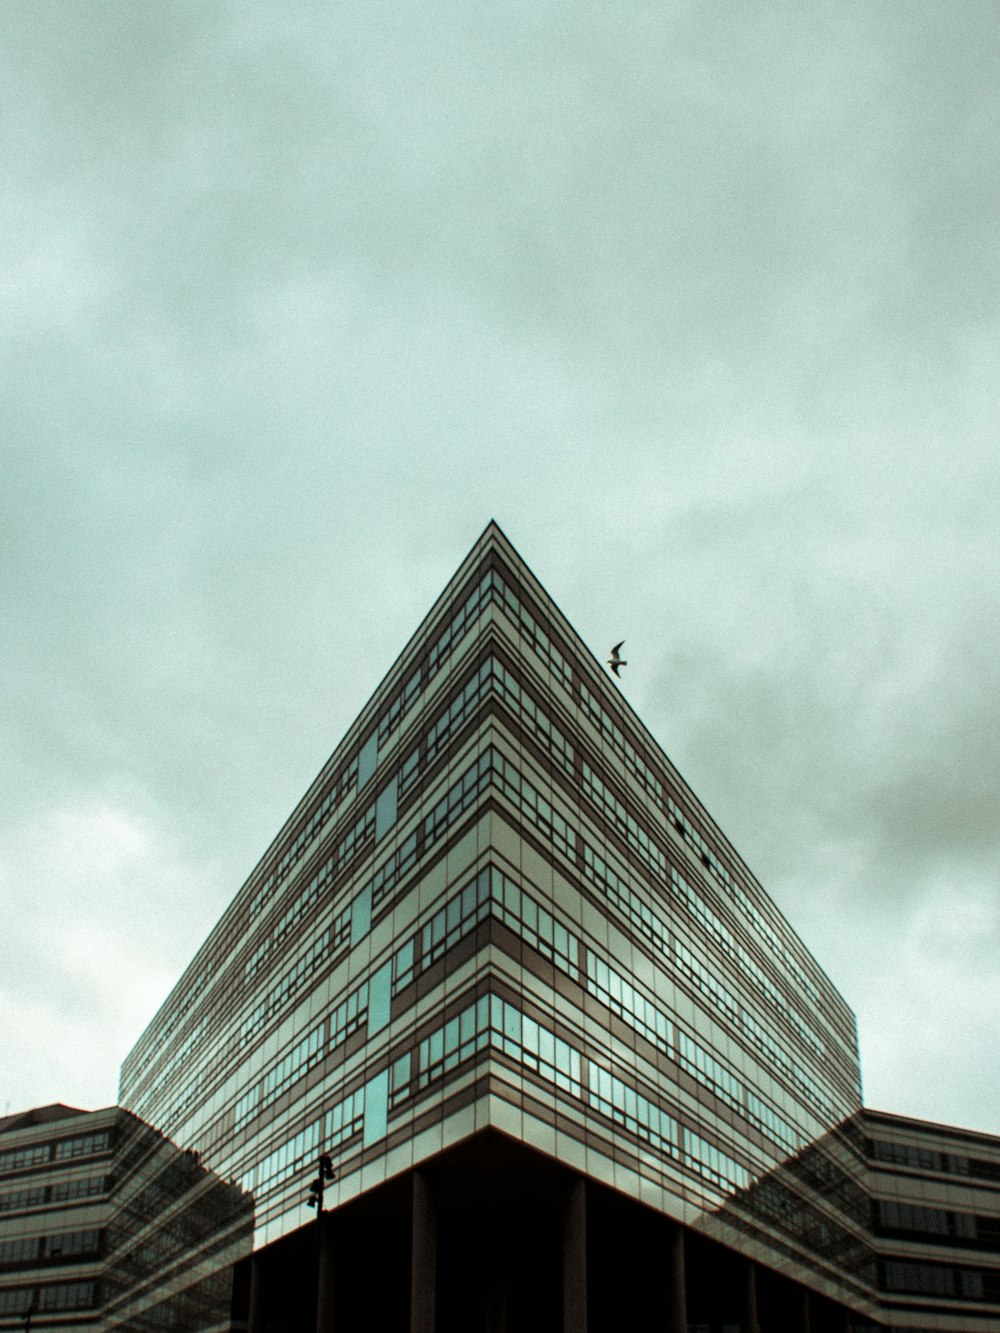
(700, 303)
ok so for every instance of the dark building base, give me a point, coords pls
(491, 1237)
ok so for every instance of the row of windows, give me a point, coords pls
(615, 813)
(400, 703)
(17, 1158)
(704, 979)
(637, 765)
(14, 1200)
(35, 1154)
(929, 1159)
(697, 907)
(193, 1093)
(537, 636)
(459, 797)
(516, 787)
(730, 946)
(66, 1191)
(296, 850)
(459, 622)
(61, 1245)
(362, 766)
(459, 710)
(291, 1067)
(628, 1108)
(611, 732)
(285, 1161)
(932, 1280)
(323, 949)
(614, 990)
(617, 890)
(392, 873)
(55, 1296)
(621, 997)
(535, 925)
(494, 1023)
(519, 701)
(503, 1027)
(193, 989)
(458, 1040)
(356, 836)
(462, 794)
(458, 916)
(928, 1221)
(179, 1060)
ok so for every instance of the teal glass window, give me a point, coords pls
(367, 759)
(379, 996)
(385, 809)
(361, 915)
(376, 1108)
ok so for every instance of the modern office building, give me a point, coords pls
(55, 1183)
(935, 1217)
(106, 1224)
(571, 1066)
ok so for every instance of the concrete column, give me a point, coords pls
(496, 1301)
(326, 1275)
(423, 1258)
(575, 1259)
(750, 1324)
(805, 1308)
(675, 1297)
(257, 1316)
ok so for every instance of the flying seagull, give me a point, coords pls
(616, 660)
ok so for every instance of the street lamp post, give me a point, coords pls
(325, 1275)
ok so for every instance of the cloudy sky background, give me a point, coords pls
(700, 301)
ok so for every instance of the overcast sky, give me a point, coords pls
(699, 300)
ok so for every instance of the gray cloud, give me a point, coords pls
(701, 304)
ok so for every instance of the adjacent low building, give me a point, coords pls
(106, 1224)
(935, 1216)
(55, 1182)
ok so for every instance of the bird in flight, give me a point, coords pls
(616, 660)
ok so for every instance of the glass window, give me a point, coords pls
(361, 915)
(376, 1108)
(385, 809)
(379, 996)
(367, 759)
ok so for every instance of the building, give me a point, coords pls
(935, 1217)
(106, 1224)
(55, 1183)
(571, 1066)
